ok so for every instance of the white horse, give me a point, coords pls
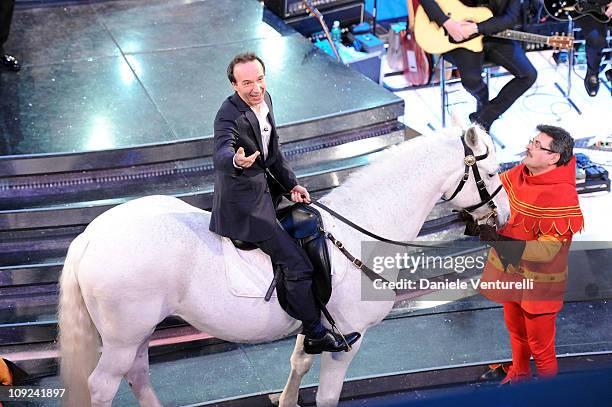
(153, 257)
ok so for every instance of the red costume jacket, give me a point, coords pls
(544, 211)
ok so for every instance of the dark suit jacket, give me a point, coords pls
(244, 200)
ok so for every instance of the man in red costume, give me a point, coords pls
(532, 249)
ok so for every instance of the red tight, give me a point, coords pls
(530, 334)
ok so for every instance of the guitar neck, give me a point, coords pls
(522, 36)
(317, 14)
(331, 42)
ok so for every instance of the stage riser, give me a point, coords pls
(165, 177)
(83, 196)
(46, 331)
(342, 123)
(30, 245)
(43, 274)
(350, 122)
(32, 318)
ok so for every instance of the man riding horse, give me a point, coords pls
(249, 166)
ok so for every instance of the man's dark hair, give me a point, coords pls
(242, 59)
(562, 142)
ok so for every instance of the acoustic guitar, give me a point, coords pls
(436, 40)
(562, 10)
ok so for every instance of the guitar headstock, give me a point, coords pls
(561, 41)
(312, 9)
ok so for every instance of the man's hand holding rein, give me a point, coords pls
(300, 194)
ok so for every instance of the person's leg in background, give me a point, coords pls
(469, 65)
(511, 56)
(595, 35)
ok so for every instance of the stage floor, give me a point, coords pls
(113, 75)
(442, 337)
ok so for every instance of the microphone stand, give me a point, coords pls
(374, 17)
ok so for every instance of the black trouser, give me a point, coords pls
(595, 35)
(297, 279)
(508, 54)
(6, 15)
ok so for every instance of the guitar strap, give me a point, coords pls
(412, 5)
(422, 60)
(404, 48)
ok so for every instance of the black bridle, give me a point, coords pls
(470, 161)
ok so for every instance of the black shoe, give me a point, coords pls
(10, 62)
(495, 372)
(591, 83)
(330, 342)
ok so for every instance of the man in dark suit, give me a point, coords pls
(6, 15)
(250, 175)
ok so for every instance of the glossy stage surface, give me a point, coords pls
(423, 344)
(118, 74)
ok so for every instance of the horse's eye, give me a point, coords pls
(494, 173)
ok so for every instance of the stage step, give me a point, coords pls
(53, 200)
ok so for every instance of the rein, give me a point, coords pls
(469, 160)
(372, 235)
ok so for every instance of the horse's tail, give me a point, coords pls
(79, 341)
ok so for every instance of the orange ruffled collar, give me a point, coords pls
(545, 203)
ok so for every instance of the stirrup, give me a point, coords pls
(337, 331)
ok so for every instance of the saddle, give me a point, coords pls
(303, 223)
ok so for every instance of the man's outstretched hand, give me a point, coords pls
(242, 161)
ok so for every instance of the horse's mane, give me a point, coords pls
(383, 162)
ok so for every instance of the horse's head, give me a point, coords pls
(477, 188)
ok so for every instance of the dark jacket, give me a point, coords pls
(505, 14)
(244, 199)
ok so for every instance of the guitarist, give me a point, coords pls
(506, 53)
(595, 35)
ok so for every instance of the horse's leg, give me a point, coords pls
(138, 378)
(301, 363)
(333, 371)
(115, 362)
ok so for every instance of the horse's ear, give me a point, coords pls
(456, 121)
(471, 136)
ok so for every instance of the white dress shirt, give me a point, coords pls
(264, 126)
